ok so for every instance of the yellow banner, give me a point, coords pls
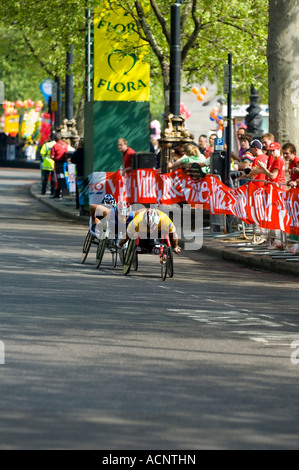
(11, 125)
(119, 75)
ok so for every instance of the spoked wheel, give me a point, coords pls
(169, 262)
(135, 261)
(86, 246)
(121, 254)
(130, 252)
(163, 261)
(114, 252)
(100, 252)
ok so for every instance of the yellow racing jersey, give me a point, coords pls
(138, 225)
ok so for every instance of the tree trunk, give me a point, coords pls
(283, 62)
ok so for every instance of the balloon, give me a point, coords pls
(203, 91)
(195, 90)
(200, 97)
(19, 104)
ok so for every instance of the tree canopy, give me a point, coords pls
(35, 38)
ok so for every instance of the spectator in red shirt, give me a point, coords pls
(203, 145)
(289, 154)
(258, 178)
(58, 153)
(266, 140)
(127, 154)
(276, 172)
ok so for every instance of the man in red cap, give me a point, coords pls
(276, 171)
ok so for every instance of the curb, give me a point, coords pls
(253, 262)
(71, 214)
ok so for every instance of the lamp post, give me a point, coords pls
(69, 85)
(174, 132)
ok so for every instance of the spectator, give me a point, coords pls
(48, 165)
(58, 153)
(212, 142)
(238, 158)
(190, 155)
(247, 158)
(127, 154)
(258, 177)
(240, 132)
(155, 148)
(276, 172)
(203, 145)
(78, 159)
(176, 154)
(266, 140)
(289, 154)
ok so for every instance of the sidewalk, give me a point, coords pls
(231, 247)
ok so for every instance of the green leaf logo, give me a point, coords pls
(121, 62)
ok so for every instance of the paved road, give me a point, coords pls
(94, 360)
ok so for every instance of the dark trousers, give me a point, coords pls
(61, 184)
(45, 180)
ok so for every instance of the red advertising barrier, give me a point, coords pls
(269, 207)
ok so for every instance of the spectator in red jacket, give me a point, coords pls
(58, 153)
(127, 154)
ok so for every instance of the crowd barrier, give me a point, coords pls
(268, 207)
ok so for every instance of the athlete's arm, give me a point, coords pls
(124, 240)
(174, 240)
(102, 213)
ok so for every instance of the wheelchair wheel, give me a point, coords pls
(129, 256)
(86, 246)
(135, 261)
(100, 252)
(163, 261)
(114, 253)
(169, 262)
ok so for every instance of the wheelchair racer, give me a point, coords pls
(102, 213)
(149, 222)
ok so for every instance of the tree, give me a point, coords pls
(35, 40)
(209, 31)
(283, 50)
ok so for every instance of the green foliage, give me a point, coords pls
(35, 38)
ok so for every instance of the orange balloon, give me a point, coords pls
(195, 90)
(200, 97)
(203, 90)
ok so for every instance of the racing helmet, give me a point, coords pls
(109, 201)
(124, 208)
(151, 218)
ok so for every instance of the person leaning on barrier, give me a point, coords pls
(276, 172)
(257, 176)
(191, 156)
